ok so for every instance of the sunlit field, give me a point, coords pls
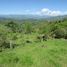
(30, 44)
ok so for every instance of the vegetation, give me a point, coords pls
(33, 43)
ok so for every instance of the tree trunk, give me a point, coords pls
(11, 45)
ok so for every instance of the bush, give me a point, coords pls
(60, 33)
(28, 41)
(13, 26)
(45, 37)
(66, 36)
(42, 37)
(2, 40)
(6, 42)
(7, 45)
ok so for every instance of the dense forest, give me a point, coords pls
(33, 42)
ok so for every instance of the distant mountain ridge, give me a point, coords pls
(21, 17)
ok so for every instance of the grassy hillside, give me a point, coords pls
(33, 43)
(52, 53)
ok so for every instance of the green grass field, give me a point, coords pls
(30, 44)
(51, 53)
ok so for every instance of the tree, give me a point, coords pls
(13, 26)
(11, 40)
(28, 27)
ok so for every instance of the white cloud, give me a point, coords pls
(46, 11)
(55, 13)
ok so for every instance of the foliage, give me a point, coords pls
(13, 26)
(60, 33)
(28, 27)
(34, 43)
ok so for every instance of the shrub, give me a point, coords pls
(42, 37)
(2, 40)
(28, 41)
(13, 26)
(60, 33)
(66, 36)
(45, 37)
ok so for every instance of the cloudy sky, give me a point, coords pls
(35, 7)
